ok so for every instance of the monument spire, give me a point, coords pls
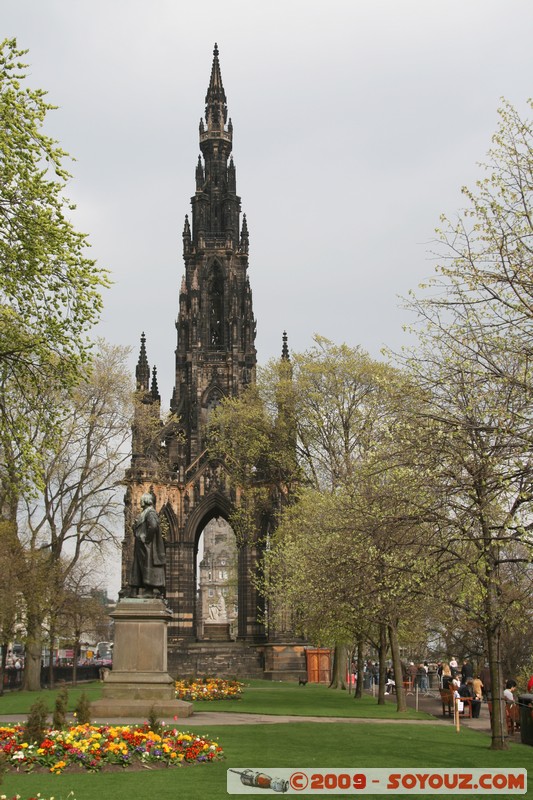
(216, 112)
(285, 348)
(142, 371)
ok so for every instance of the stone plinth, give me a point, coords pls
(284, 661)
(217, 631)
(139, 682)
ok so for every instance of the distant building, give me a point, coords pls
(218, 575)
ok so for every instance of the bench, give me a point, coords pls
(512, 716)
(446, 697)
(448, 702)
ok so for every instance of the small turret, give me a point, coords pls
(285, 348)
(245, 237)
(200, 176)
(142, 371)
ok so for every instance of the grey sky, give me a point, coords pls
(355, 125)
(356, 122)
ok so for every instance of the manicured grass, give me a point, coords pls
(259, 697)
(265, 697)
(294, 745)
(20, 702)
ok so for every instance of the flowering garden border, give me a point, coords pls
(209, 689)
(93, 747)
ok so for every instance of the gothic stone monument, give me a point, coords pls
(215, 358)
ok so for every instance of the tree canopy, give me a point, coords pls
(49, 287)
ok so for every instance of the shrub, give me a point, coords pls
(59, 719)
(36, 723)
(83, 710)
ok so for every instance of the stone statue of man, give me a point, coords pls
(148, 568)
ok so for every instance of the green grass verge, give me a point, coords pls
(313, 700)
(259, 697)
(21, 702)
(294, 745)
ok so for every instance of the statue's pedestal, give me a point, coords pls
(217, 631)
(139, 683)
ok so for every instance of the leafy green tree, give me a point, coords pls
(10, 592)
(481, 299)
(474, 363)
(340, 455)
(79, 508)
(49, 288)
(81, 612)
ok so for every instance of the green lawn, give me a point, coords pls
(265, 697)
(293, 745)
(259, 697)
(20, 702)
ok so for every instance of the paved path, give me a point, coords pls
(430, 705)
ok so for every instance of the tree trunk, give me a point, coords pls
(75, 662)
(498, 722)
(3, 667)
(382, 650)
(51, 681)
(360, 669)
(338, 680)
(32, 661)
(401, 700)
(349, 669)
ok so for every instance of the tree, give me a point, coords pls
(474, 361)
(49, 289)
(10, 594)
(337, 410)
(81, 612)
(482, 297)
(481, 466)
(82, 467)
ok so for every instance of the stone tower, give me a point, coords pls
(215, 358)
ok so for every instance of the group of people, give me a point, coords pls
(464, 684)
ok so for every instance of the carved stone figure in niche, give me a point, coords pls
(217, 611)
(148, 569)
(216, 307)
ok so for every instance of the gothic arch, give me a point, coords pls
(213, 394)
(215, 504)
(168, 519)
(215, 296)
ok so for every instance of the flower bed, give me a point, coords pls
(38, 796)
(209, 689)
(92, 747)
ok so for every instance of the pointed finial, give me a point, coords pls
(285, 348)
(216, 111)
(245, 238)
(142, 371)
(154, 391)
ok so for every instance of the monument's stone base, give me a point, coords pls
(217, 631)
(280, 662)
(284, 661)
(140, 710)
(139, 684)
(215, 659)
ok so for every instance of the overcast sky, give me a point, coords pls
(356, 122)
